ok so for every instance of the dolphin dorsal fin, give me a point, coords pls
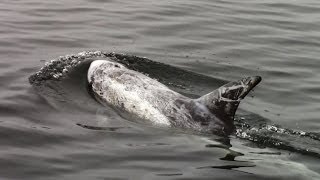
(224, 101)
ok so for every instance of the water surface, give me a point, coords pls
(222, 40)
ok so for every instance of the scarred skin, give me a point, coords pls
(140, 98)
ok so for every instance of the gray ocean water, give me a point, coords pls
(223, 40)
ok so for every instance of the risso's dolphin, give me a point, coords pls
(142, 99)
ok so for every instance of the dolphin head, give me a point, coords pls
(108, 63)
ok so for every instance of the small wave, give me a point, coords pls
(264, 134)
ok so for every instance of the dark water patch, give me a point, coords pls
(149, 144)
(227, 167)
(230, 156)
(217, 146)
(267, 153)
(170, 174)
(100, 1)
(73, 10)
(100, 128)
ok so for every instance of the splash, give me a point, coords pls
(56, 69)
(272, 135)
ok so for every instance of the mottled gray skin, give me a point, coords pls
(142, 99)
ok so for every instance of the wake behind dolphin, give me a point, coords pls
(142, 99)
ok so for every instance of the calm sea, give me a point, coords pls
(223, 40)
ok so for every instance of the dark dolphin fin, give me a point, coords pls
(224, 101)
